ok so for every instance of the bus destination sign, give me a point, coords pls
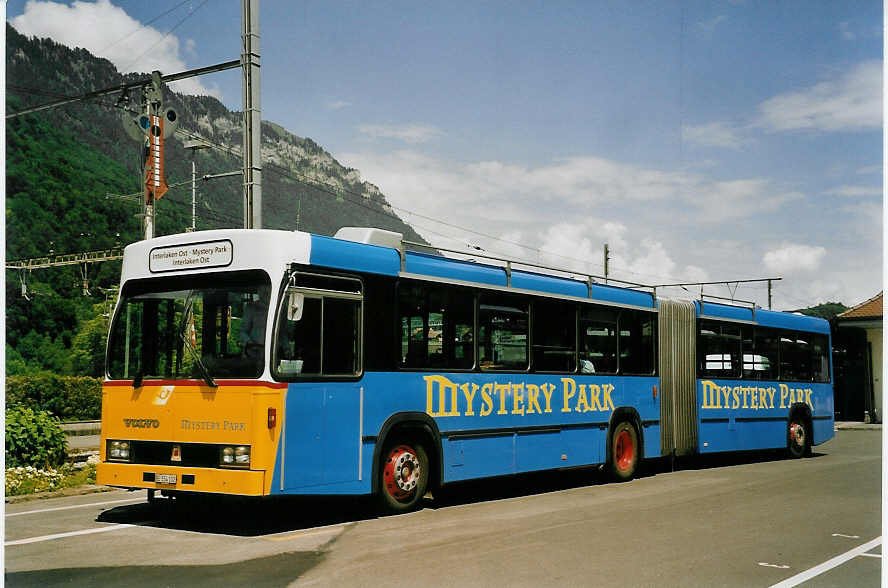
(191, 256)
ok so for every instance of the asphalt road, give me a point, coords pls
(749, 520)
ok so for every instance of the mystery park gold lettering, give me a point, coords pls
(445, 398)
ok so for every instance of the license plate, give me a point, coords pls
(166, 478)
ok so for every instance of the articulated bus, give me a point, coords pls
(260, 362)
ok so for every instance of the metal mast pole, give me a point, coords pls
(252, 116)
(153, 100)
(193, 194)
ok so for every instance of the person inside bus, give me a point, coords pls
(252, 327)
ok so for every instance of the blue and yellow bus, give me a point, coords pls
(259, 362)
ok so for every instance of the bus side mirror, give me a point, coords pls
(294, 306)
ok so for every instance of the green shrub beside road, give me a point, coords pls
(71, 398)
(34, 438)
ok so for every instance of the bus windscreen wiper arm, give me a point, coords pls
(183, 328)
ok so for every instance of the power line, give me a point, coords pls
(145, 25)
(163, 38)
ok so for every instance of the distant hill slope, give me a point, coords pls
(61, 163)
(38, 70)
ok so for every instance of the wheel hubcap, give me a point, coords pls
(624, 450)
(402, 472)
(798, 434)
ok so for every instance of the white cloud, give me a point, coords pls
(846, 32)
(856, 191)
(851, 102)
(791, 257)
(870, 169)
(106, 30)
(563, 212)
(715, 134)
(338, 104)
(411, 134)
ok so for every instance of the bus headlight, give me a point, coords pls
(237, 456)
(119, 450)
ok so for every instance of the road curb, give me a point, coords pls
(855, 426)
(73, 491)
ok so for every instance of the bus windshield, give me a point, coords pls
(206, 326)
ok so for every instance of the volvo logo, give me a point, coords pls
(141, 423)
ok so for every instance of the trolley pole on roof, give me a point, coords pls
(252, 115)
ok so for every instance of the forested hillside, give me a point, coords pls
(61, 163)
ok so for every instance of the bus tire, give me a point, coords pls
(403, 476)
(798, 437)
(624, 452)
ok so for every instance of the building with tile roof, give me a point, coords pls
(858, 361)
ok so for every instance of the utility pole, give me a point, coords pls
(155, 184)
(769, 294)
(193, 146)
(252, 115)
(606, 260)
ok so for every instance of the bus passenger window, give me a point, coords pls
(820, 359)
(502, 333)
(637, 342)
(436, 324)
(554, 337)
(323, 339)
(795, 357)
(718, 350)
(598, 341)
(342, 333)
(760, 360)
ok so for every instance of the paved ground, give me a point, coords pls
(746, 521)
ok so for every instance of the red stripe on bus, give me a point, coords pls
(275, 385)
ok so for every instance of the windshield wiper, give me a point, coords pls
(183, 328)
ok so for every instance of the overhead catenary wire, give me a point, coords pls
(144, 25)
(163, 38)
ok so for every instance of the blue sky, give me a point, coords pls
(701, 140)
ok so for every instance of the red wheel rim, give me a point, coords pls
(797, 434)
(624, 451)
(401, 473)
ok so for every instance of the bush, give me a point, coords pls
(71, 398)
(34, 438)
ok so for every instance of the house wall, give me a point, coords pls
(874, 338)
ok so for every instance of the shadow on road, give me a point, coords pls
(277, 570)
(249, 517)
(245, 517)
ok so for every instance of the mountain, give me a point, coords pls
(62, 163)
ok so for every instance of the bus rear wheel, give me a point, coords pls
(798, 441)
(624, 452)
(403, 476)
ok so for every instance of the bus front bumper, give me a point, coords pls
(154, 477)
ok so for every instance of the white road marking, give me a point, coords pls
(870, 555)
(828, 565)
(27, 512)
(846, 536)
(63, 535)
(767, 565)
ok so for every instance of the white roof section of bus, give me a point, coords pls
(264, 249)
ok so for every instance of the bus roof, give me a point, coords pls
(273, 251)
(213, 251)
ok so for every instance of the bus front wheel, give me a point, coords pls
(403, 476)
(624, 452)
